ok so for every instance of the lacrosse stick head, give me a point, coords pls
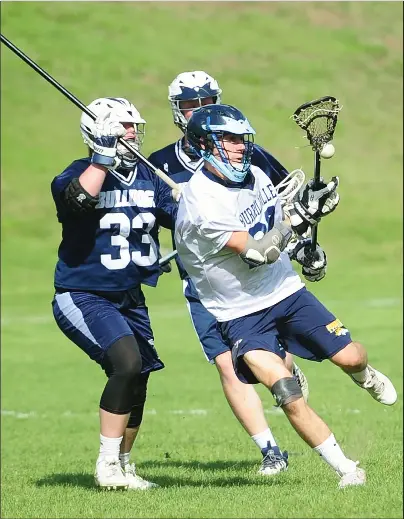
(290, 185)
(318, 118)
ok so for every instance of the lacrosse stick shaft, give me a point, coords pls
(166, 259)
(83, 108)
(317, 168)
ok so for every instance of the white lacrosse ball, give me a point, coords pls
(328, 151)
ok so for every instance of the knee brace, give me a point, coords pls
(286, 390)
(122, 363)
(136, 415)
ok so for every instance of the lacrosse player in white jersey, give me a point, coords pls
(188, 91)
(248, 283)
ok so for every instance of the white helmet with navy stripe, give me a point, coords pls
(188, 86)
(122, 111)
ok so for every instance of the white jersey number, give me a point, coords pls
(121, 240)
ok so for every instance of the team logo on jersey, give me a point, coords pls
(249, 215)
(126, 198)
(165, 167)
(337, 327)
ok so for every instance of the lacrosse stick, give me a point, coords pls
(166, 259)
(290, 185)
(84, 109)
(318, 118)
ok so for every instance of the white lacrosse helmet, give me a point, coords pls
(122, 111)
(188, 86)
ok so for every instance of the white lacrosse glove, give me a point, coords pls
(312, 203)
(106, 135)
(314, 263)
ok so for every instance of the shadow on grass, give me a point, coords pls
(191, 478)
(67, 480)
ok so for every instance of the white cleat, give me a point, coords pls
(134, 481)
(301, 380)
(358, 477)
(109, 474)
(379, 387)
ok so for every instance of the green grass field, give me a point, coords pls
(268, 58)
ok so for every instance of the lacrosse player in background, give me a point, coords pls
(109, 205)
(190, 90)
(246, 279)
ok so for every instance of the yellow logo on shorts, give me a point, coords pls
(337, 327)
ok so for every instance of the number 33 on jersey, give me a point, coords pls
(115, 246)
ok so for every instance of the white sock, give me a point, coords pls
(124, 458)
(361, 376)
(261, 439)
(109, 447)
(331, 452)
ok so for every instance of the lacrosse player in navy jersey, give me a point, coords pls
(246, 279)
(109, 206)
(188, 91)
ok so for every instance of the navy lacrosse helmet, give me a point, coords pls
(205, 131)
(189, 86)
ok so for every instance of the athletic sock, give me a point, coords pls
(264, 438)
(109, 447)
(361, 376)
(124, 458)
(331, 452)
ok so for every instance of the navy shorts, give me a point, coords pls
(94, 323)
(299, 324)
(204, 323)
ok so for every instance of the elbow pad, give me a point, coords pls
(268, 248)
(77, 198)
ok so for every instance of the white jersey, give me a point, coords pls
(209, 212)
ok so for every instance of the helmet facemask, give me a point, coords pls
(235, 171)
(127, 158)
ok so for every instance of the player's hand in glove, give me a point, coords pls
(165, 269)
(106, 134)
(314, 263)
(176, 194)
(312, 203)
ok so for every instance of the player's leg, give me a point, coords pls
(247, 408)
(137, 318)
(122, 363)
(95, 325)
(325, 337)
(269, 369)
(242, 399)
(297, 373)
(258, 355)
(353, 360)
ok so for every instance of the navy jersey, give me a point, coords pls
(178, 165)
(114, 247)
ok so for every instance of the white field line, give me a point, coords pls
(181, 311)
(151, 412)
